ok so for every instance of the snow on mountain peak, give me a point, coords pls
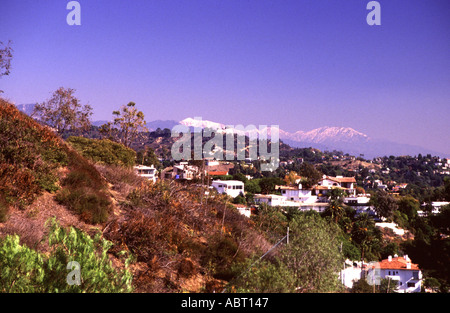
(324, 134)
(192, 122)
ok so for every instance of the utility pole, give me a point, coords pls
(287, 236)
(203, 180)
(223, 217)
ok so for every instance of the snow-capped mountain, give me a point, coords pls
(344, 139)
(324, 135)
(192, 122)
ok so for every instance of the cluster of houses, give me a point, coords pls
(314, 198)
(184, 171)
(401, 270)
(317, 197)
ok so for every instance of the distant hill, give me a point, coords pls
(26, 108)
(162, 124)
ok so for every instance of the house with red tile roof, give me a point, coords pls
(346, 183)
(401, 269)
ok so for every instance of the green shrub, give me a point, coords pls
(21, 268)
(104, 151)
(93, 206)
(25, 270)
(221, 253)
(84, 190)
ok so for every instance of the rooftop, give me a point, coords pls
(397, 263)
(228, 182)
(217, 173)
(342, 179)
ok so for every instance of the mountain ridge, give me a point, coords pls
(331, 138)
(326, 138)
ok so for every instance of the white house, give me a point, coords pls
(232, 188)
(243, 209)
(360, 203)
(352, 273)
(397, 269)
(274, 200)
(393, 226)
(346, 183)
(401, 269)
(436, 207)
(320, 191)
(185, 171)
(317, 206)
(296, 193)
(148, 172)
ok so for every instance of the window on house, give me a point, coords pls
(416, 275)
(411, 284)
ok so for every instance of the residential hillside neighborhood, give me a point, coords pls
(235, 154)
(301, 195)
(201, 225)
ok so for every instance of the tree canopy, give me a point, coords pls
(63, 111)
(127, 125)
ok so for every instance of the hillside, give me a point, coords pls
(178, 240)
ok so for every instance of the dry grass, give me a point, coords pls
(121, 179)
(181, 241)
(29, 224)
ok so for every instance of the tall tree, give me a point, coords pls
(311, 175)
(309, 262)
(336, 206)
(5, 59)
(366, 236)
(127, 125)
(291, 178)
(384, 204)
(64, 111)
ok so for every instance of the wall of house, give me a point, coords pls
(404, 277)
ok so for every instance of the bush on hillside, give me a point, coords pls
(25, 270)
(104, 151)
(29, 156)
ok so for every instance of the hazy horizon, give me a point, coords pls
(297, 64)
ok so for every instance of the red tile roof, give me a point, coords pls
(396, 264)
(342, 179)
(217, 173)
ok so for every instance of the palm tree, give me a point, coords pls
(336, 207)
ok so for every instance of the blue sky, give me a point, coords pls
(300, 64)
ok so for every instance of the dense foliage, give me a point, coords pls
(309, 262)
(25, 270)
(103, 151)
